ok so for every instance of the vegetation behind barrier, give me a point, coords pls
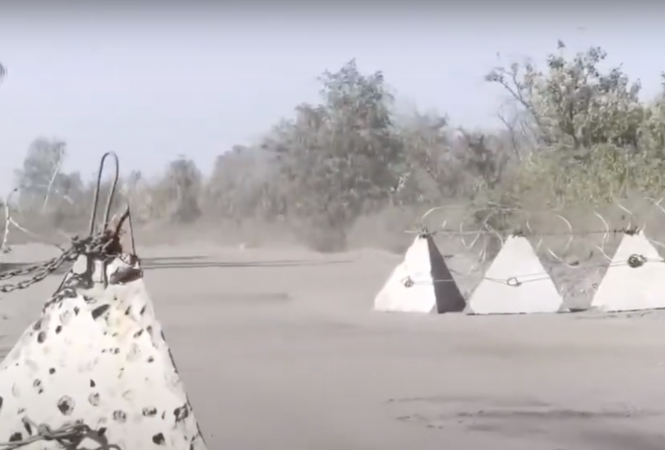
(349, 171)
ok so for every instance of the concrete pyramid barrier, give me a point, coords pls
(421, 283)
(628, 288)
(516, 283)
(95, 369)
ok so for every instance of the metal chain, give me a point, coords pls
(93, 243)
(41, 270)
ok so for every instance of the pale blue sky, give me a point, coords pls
(152, 83)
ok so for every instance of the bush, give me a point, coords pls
(575, 134)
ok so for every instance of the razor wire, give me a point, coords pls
(96, 240)
(520, 223)
(633, 261)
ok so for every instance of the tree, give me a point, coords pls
(182, 186)
(587, 123)
(575, 103)
(343, 156)
(245, 183)
(431, 174)
(40, 177)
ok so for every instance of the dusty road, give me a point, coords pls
(280, 350)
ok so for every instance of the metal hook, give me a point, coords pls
(109, 201)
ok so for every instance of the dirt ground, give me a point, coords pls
(279, 349)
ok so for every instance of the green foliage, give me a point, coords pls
(576, 133)
(596, 140)
(341, 157)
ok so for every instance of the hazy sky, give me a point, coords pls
(153, 81)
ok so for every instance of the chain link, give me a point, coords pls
(41, 270)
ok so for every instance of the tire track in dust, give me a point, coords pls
(608, 426)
